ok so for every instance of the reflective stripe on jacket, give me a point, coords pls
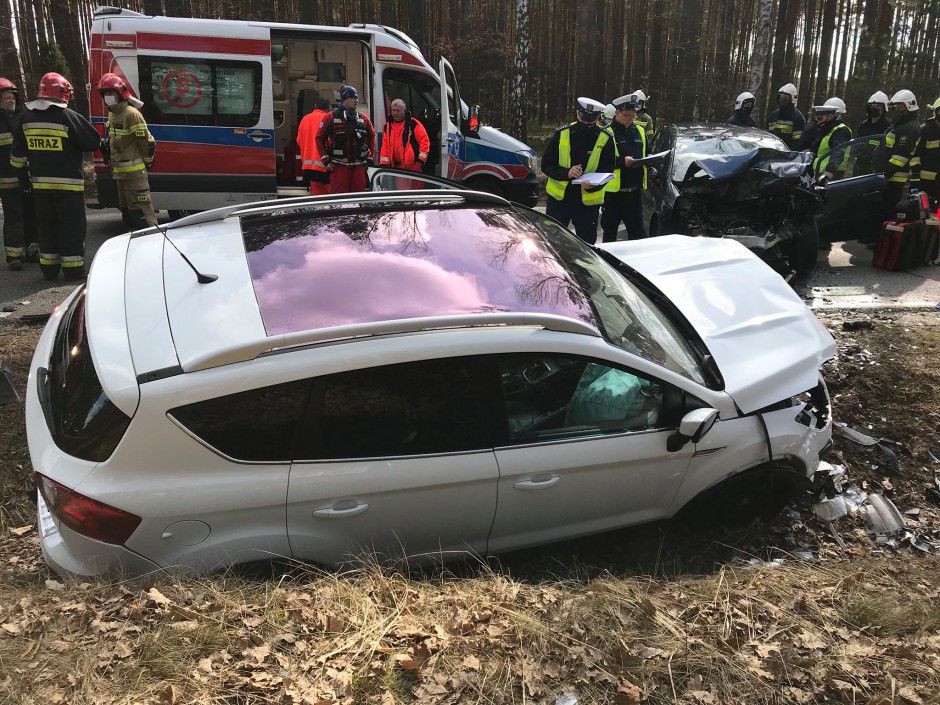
(821, 163)
(556, 188)
(132, 145)
(307, 140)
(405, 144)
(901, 143)
(928, 149)
(51, 142)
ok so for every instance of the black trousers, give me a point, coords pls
(623, 207)
(60, 216)
(19, 223)
(583, 217)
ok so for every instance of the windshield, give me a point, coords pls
(702, 145)
(628, 318)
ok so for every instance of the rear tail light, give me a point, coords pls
(86, 516)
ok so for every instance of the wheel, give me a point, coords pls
(487, 185)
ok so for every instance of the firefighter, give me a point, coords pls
(19, 233)
(50, 140)
(129, 150)
(900, 147)
(787, 122)
(830, 132)
(575, 149)
(315, 174)
(873, 126)
(405, 142)
(643, 118)
(743, 107)
(928, 150)
(346, 142)
(625, 204)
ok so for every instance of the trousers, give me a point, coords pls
(134, 195)
(60, 217)
(19, 224)
(583, 217)
(623, 207)
(348, 179)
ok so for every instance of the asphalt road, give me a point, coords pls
(844, 278)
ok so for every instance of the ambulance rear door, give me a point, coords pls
(206, 88)
(452, 140)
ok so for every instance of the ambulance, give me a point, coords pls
(223, 99)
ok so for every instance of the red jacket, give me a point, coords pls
(307, 140)
(405, 144)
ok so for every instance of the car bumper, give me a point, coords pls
(525, 191)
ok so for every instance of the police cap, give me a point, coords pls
(625, 102)
(589, 108)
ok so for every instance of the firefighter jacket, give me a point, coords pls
(50, 141)
(741, 118)
(307, 140)
(928, 150)
(131, 143)
(827, 137)
(900, 146)
(873, 127)
(645, 122)
(629, 142)
(578, 143)
(788, 124)
(346, 137)
(9, 176)
(405, 144)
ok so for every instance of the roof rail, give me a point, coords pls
(105, 10)
(367, 198)
(252, 349)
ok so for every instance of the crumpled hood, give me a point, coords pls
(763, 163)
(766, 342)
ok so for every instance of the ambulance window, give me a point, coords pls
(179, 91)
(421, 92)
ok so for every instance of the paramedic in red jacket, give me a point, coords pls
(315, 174)
(405, 143)
(346, 141)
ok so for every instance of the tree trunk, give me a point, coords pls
(806, 64)
(824, 79)
(755, 77)
(153, 7)
(65, 23)
(9, 57)
(179, 8)
(584, 49)
(520, 74)
(388, 12)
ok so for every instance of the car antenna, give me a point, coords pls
(200, 277)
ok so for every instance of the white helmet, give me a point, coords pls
(905, 98)
(879, 97)
(789, 89)
(639, 97)
(739, 101)
(608, 113)
(833, 106)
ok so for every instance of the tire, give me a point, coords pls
(487, 185)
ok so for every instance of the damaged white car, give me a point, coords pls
(407, 374)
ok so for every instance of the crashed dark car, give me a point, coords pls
(737, 183)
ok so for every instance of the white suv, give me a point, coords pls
(421, 374)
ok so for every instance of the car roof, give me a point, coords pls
(709, 130)
(319, 269)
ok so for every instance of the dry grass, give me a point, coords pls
(577, 617)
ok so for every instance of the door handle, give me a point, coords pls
(451, 139)
(333, 513)
(549, 481)
(259, 135)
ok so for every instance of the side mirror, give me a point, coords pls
(474, 119)
(693, 427)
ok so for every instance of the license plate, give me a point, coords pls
(47, 525)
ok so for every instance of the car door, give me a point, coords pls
(393, 460)
(657, 203)
(853, 207)
(452, 139)
(388, 179)
(583, 450)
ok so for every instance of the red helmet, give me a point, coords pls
(54, 86)
(7, 85)
(113, 82)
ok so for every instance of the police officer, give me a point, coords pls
(315, 174)
(50, 140)
(574, 150)
(900, 146)
(643, 118)
(928, 150)
(787, 122)
(129, 149)
(345, 142)
(625, 204)
(743, 107)
(14, 187)
(830, 132)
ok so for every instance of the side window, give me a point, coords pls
(408, 409)
(258, 425)
(421, 92)
(550, 397)
(179, 91)
(859, 157)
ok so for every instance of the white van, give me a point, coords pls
(223, 99)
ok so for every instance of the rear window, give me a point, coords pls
(258, 425)
(83, 421)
